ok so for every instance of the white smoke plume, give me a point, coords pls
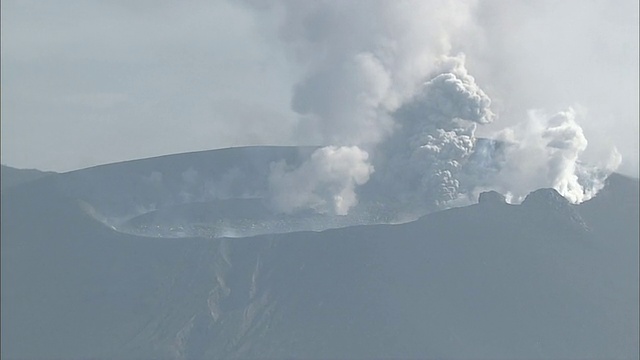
(360, 60)
(545, 151)
(189, 180)
(326, 182)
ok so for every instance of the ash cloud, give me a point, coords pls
(437, 136)
(333, 72)
(380, 76)
(360, 62)
(434, 159)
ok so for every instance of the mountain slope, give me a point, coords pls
(147, 184)
(12, 176)
(492, 280)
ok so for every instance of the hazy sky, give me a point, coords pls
(93, 82)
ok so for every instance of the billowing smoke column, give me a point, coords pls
(324, 183)
(432, 159)
(436, 137)
(360, 60)
(375, 75)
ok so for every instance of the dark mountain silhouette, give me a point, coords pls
(544, 279)
(206, 193)
(12, 176)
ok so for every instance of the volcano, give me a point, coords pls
(82, 279)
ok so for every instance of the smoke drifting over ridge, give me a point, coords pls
(324, 183)
(545, 151)
(379, 76)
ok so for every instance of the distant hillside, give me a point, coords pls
(240, 172)
(12, 176)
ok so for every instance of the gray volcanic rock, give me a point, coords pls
(554, 208)
(491, 197)
(546, 198)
